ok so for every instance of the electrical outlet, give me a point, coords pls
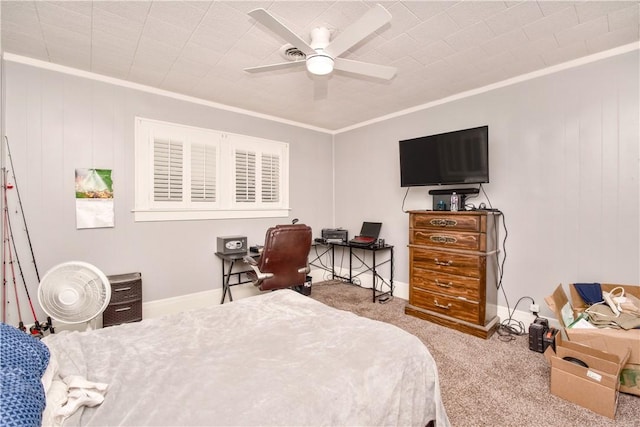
(534, 308)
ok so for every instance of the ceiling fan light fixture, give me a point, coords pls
(320, 64)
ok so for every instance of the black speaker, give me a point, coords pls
(448, 191)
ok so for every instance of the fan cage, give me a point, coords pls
(74, 292)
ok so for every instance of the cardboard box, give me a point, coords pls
(594, 387)
(615, 341)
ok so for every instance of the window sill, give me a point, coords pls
(165, 215)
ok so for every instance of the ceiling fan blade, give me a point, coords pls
(273, 67)
(365, 68)
(375, 18)
(272, 23)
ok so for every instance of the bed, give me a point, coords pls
(277, 359)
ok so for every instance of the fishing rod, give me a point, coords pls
(37, 329)
(5, 303)
(15, 285)
(6, 244)
(24, 218)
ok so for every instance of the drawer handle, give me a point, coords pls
(122, 289)
(443, 239)
(446, 307)
(123, 309)
(442, 222)
(444, 285)
(445, 263)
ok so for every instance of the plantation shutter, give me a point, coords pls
(270, 178)
(245, 176)
(203, 173)
(167, 169)
(188, 173)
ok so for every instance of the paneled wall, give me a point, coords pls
(59, 122)
(564, 168)
(564, 165)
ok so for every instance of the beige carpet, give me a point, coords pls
(484, 382)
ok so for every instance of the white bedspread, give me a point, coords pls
(275, 359)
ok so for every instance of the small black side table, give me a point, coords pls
(228, 262)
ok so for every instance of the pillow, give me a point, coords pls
(23, 360)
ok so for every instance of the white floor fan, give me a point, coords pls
(74, 292)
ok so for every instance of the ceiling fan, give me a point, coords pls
(322, 55)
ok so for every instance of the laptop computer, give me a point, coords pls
(368, 234)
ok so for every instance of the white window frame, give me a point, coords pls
(226, 145)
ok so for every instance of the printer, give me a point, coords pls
(335, 235)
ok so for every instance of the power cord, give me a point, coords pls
(510, 328)
(500, 264)
(405, 198)
(496, 218)
(319, 258)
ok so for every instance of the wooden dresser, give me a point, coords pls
(126, 300)
(453, 269)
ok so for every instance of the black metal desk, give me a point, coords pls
(355, 251)
(228, 262)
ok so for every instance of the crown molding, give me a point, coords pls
(11, 57)
(504, 83)
(137, 86)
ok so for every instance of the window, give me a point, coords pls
(184, 172)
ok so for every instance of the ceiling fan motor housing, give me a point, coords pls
(321, 63)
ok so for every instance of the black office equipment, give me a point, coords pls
(368, 234)
(335, 235)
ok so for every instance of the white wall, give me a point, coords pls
(564, 168)
(564, 162)
(59, 122)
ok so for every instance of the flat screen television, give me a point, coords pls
(459, 157)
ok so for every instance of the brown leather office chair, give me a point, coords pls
(284, 261)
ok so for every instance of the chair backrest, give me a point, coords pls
(285, 253)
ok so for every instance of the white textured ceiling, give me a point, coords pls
(200, 48)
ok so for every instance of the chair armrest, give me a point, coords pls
(259, 274)
(250, 260)
(306, 269)
(254, 266)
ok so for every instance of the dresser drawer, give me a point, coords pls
(468, 311)
(449, 239)
(458, 222)
(449, 284)
(448, 262)
(122, 313)
(125, 287)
